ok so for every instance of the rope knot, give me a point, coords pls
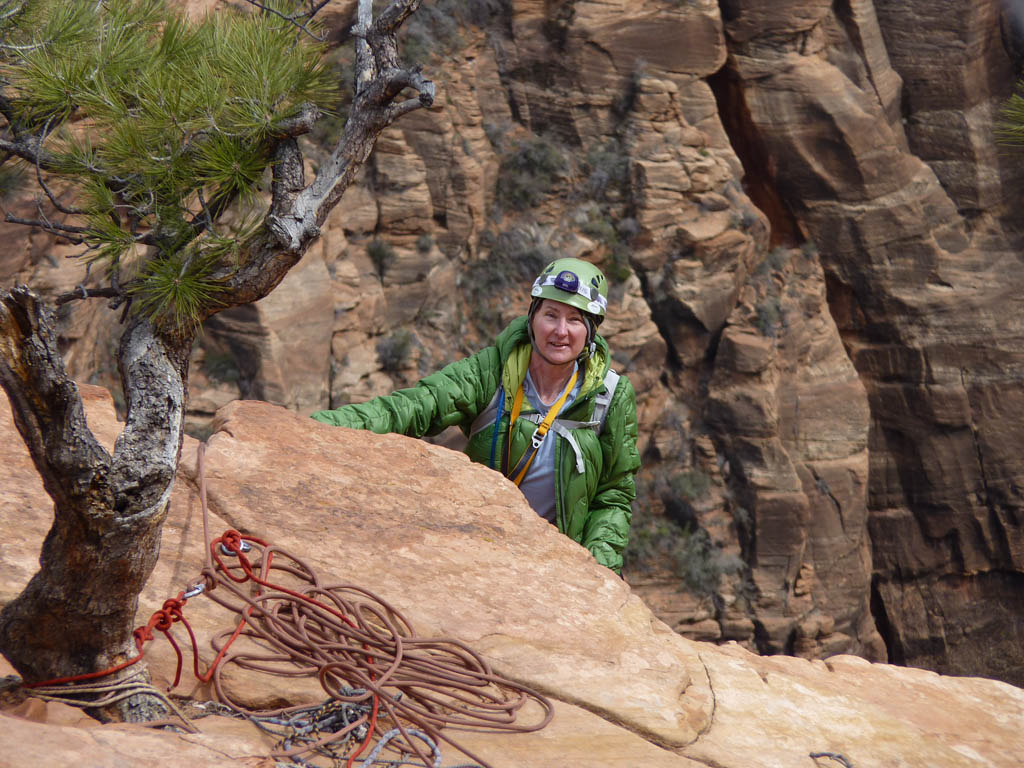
(163, 620)
(231, 540)
(173, 605)
(142, 635)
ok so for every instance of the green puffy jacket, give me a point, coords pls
(592, 506)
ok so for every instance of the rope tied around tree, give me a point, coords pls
(400, 689)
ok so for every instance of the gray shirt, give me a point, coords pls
(539, 484)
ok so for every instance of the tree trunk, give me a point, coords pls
(77, 613)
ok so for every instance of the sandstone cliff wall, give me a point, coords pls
(815, 264)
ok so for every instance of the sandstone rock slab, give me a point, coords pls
(460, 553)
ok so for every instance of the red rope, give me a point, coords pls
(172, 613)
(161, 620)
(475, 697)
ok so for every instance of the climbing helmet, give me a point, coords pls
(574, 282)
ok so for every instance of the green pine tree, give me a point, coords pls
(160, 125)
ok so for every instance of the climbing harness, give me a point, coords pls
(379, 675)
(491, 417)
(518, 472)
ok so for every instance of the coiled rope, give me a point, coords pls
(400, 690)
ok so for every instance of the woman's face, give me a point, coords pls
(559, 332)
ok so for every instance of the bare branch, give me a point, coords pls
(26, 148)
(410, 78)
(300, 20)
(67, 231)
(81, 292)
(206, 216)
(39, 173)
(365, 67)
(405, 107)
(71, 211)
(392, 17)
(371, 112)
(301, 124)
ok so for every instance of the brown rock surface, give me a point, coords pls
(914, 251)
(458, 551)
(792, 416)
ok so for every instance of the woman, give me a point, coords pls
(572, 450)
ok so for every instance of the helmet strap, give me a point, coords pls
(591, 346)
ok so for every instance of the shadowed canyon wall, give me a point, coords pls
(814, 256)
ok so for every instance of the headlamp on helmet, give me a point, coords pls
(574, 282)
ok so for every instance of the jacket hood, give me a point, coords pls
(514, 350)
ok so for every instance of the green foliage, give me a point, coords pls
(597, 222)
(657, 543)
(1010, 128)
(529, 170)
(514, 259)
(651, 542)
(173, 288)
(382, 255)
(435, 29)
(700, 564)
(608, 170)
(769, 313)
(511, 262)
(690, 485)
(221, 365)
(393, 351)
(157, 119)
(775, 261)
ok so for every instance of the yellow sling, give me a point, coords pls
(519, 472)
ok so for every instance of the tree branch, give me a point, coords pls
(154, 369)
(399, 80)
(297, 212)
(371, 110)
(46, 404)
(284, 238)
(365, 65)
(300, 20)
(27, 148)
(67, 231)
(301, 124)
(81, 292)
